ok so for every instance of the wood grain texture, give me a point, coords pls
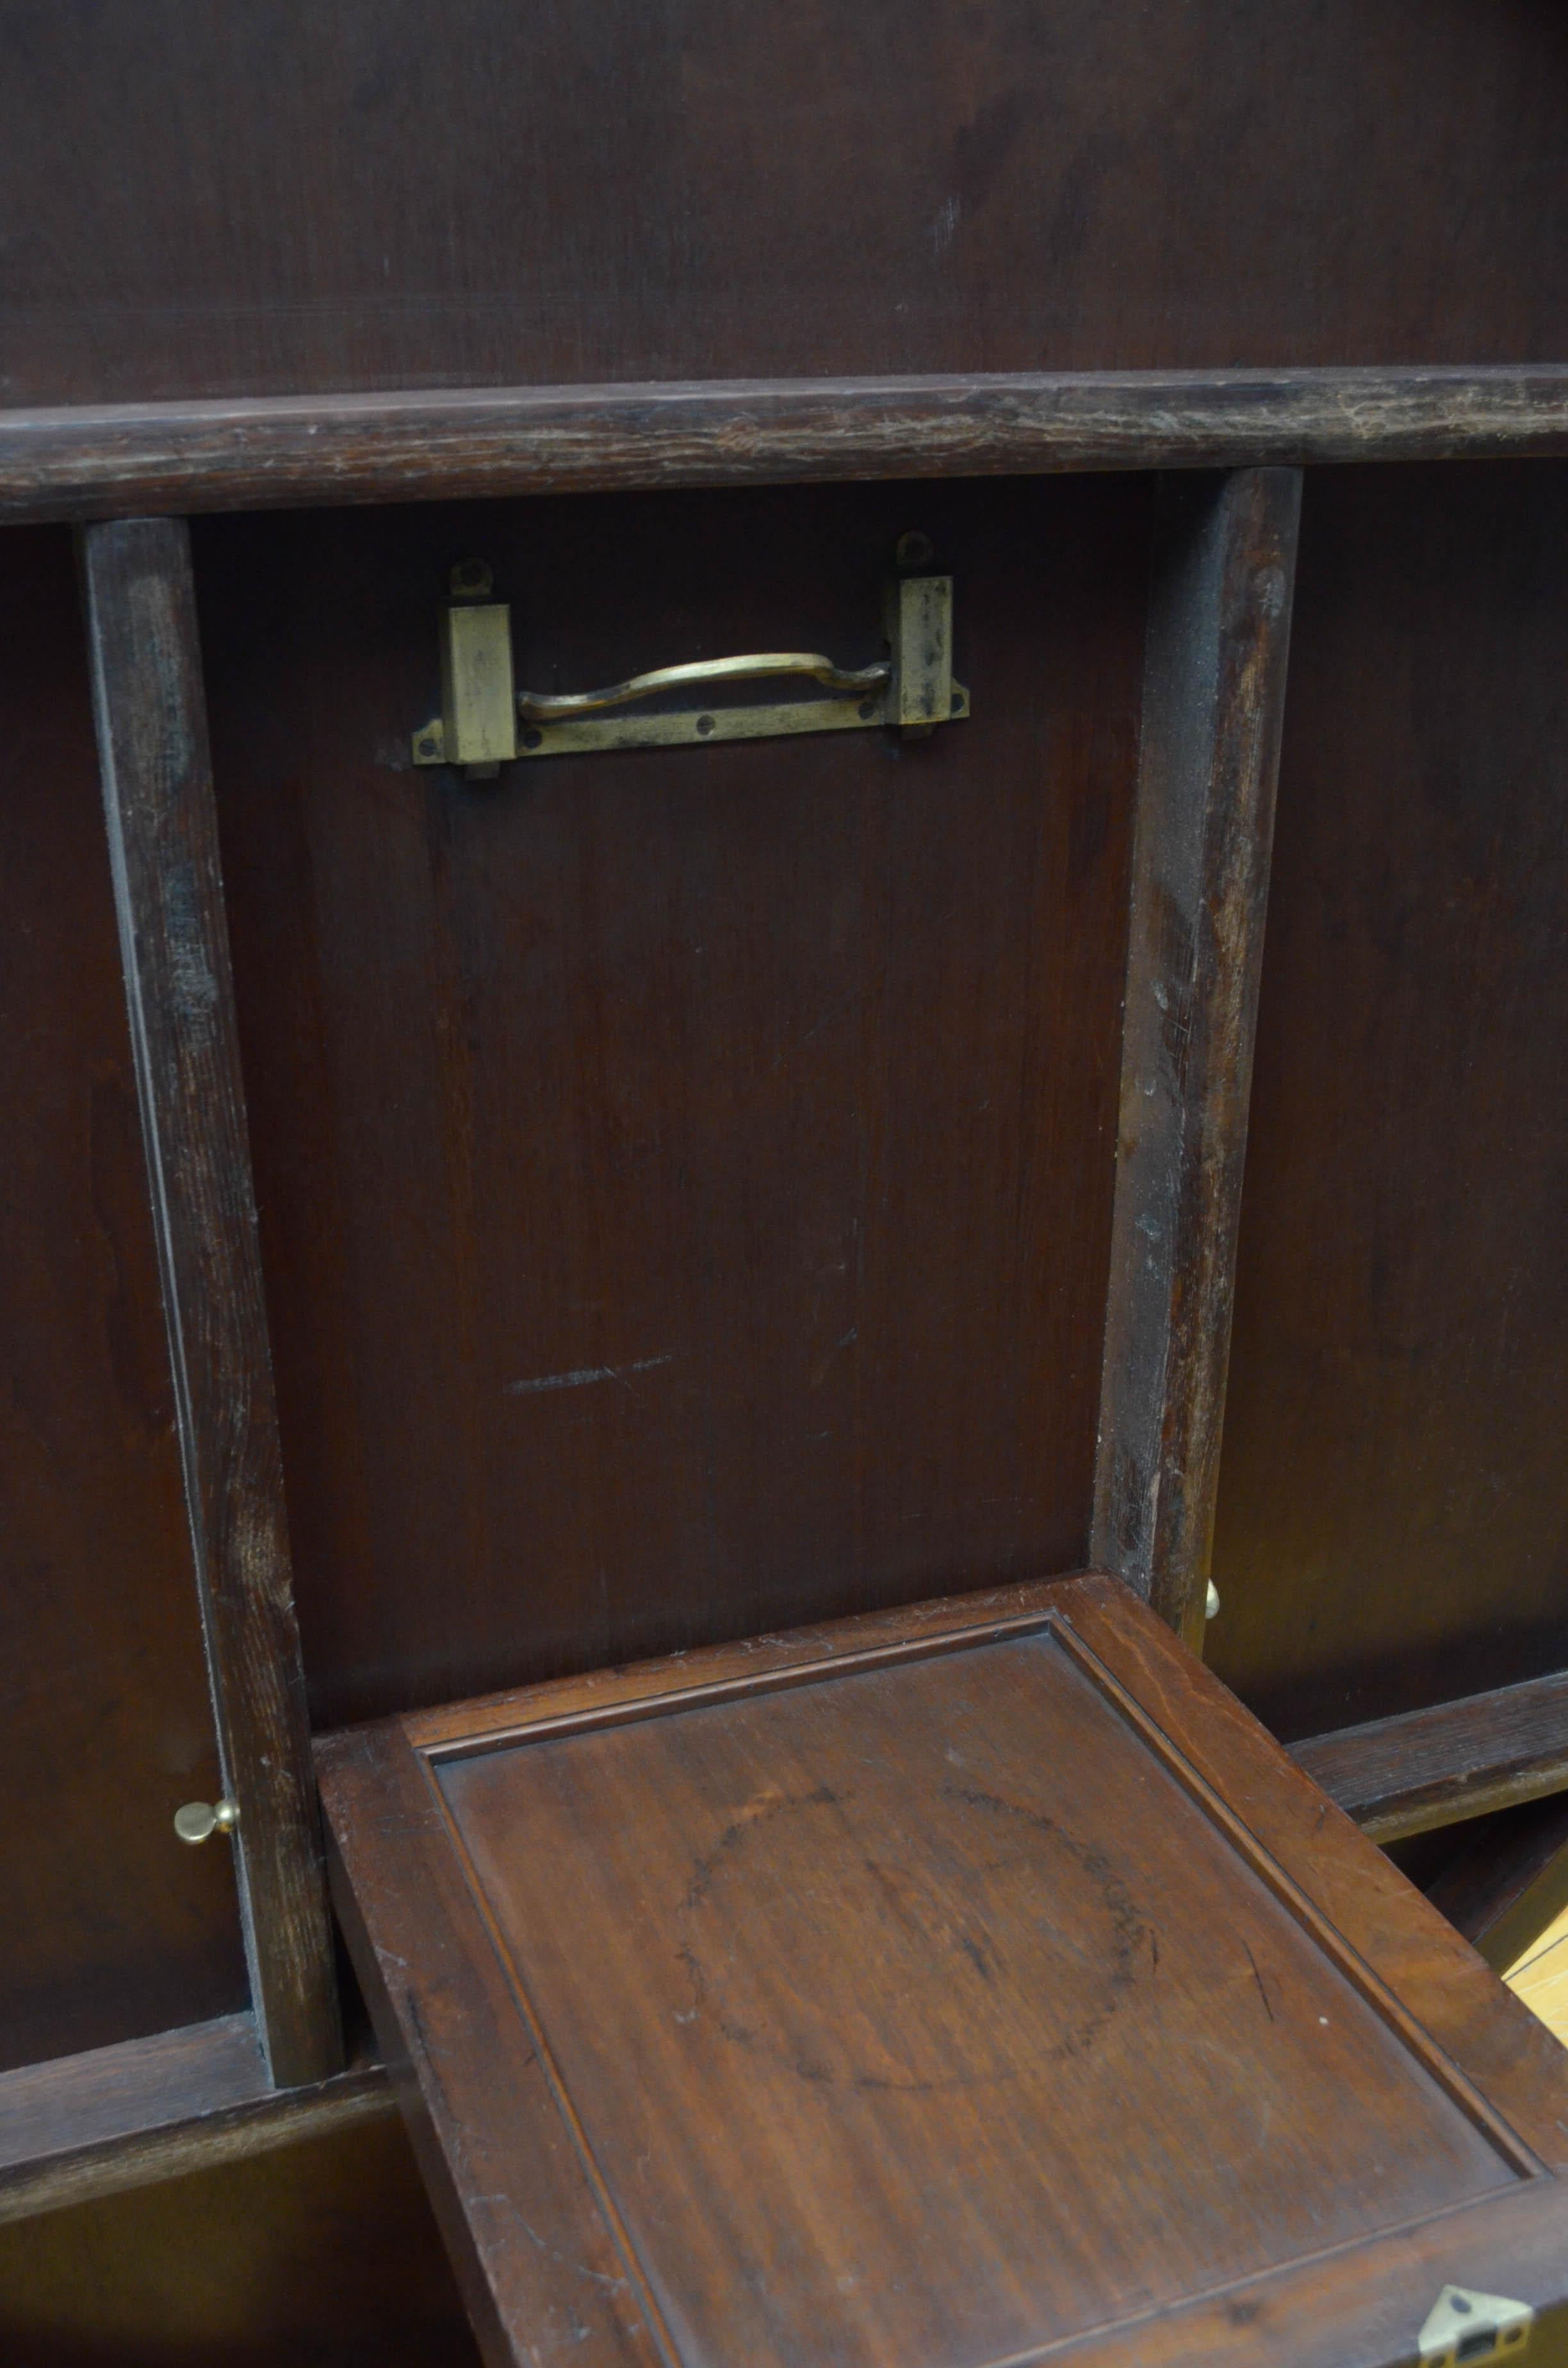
(82, 461)
(157, 788)
(1393, 1493)
(567, 2285)
(1454, 1760)
(116, 1929)
(320, 2254)
(1505, 1890)
(680, 1798)
(319, 197)
(1213, 698)
(685, 1175)
(149, 2109)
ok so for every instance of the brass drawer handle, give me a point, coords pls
(538, 707)
(486, 722)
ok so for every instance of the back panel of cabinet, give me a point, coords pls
(685, 1175)
(114, 1929)
(1393, 1493)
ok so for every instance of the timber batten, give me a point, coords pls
(277, 451)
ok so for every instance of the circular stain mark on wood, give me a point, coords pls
(856, 1954)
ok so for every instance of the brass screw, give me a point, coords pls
(472, 579)
(197, 1821)
(914, 550)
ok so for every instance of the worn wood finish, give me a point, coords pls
(1213, 696)
(157, 788)
(114, 1929)
(326, 197)
(685, 1175)
(1457, 1760)
(880, 2099)
(1393, 1494)
(153, 2108)
(318, 2255)
(413, 445)
(1511, 1883)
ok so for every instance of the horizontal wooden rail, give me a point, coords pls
(285, 451)
(1399, 1776)
(150, 2108)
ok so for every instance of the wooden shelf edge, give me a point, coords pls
(1438, 1767)
(150, 2108)
(171, 459)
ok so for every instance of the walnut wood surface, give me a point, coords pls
(1213, 696)
(665, 1954)
(163, 837)
(152, 2109)
(318, 2254)
(114, 1929)
(409, 444)
(1393, 1493)
(685, 1175)
(1457, 1760)
(324, 196)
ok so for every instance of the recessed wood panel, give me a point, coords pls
(890, 1977)
(937, 1986)
(685, 1175)
(115, 1929)
(1392, 1522)
(287, 197)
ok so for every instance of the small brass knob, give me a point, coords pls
(197, 1821)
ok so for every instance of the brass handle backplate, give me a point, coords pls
(485, 722)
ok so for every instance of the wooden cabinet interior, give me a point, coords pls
(738, 1123)
(115, 1936)
(674, 1202)
(1394, 1497)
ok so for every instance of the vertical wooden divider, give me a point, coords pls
(163, 835)
(1213, 700)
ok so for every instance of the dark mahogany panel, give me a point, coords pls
(287, 196)
(1394, 1493)
(685, 1177)
(318, 2255)
(114, 1928)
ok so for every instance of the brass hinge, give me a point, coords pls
(1464, 2325)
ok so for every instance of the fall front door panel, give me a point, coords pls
(932, 2008)
(842, 1996)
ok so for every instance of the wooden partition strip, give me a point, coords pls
(1213, 698)
(152, 2108)
(163, 835)
(1398, 1776)
(419, 444)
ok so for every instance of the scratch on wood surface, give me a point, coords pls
(583, 1375)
